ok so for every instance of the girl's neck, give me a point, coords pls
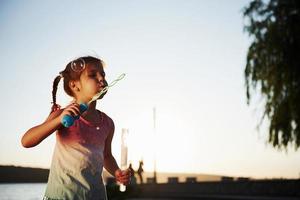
(91, 106)
(91, 111)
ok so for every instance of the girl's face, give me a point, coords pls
(92, 81)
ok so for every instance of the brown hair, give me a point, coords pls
(70, 75)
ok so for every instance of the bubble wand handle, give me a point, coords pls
(68, 120)
(124, 154)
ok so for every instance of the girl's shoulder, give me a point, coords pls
(107, 118)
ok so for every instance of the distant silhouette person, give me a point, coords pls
(132, 176)
(140, 172)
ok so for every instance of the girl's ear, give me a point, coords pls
(74, 86)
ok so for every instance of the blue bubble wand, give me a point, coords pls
(68, 120)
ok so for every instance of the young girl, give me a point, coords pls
(83, 149)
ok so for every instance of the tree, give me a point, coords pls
(273, 66)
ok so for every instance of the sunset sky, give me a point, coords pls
(185, 58)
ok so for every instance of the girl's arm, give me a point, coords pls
(37, 134)
(110, 164)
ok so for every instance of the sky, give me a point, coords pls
(184, 58)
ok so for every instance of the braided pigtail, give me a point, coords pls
(55, 106)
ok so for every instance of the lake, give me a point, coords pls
(24, 191)
(35, 191)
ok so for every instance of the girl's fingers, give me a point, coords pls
(73, 109)
(124, 175)
(124, 179)
(73, 105)
(71, 112)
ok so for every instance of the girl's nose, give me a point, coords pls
(99, 79)
(102, 82)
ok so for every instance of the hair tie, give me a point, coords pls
(55, 107)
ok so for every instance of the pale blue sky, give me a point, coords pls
(186, 58)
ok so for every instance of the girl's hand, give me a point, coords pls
(123, 176)
(72, 109)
